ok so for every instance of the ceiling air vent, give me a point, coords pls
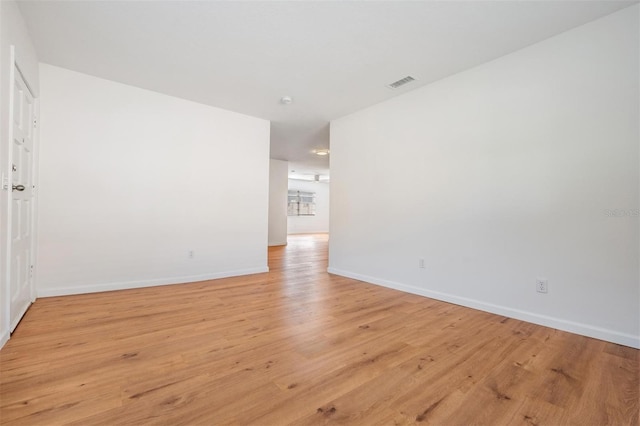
(401, 82)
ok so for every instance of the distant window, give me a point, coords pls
(301, 203)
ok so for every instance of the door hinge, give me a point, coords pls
(31, 270)
(35, 123)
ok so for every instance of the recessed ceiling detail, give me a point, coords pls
(396, 84)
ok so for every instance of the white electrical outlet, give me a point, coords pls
(542, 285)
(421, 263)
(191, 254)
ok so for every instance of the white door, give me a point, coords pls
(21, 186)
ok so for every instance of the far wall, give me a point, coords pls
(311, 224)
(133, 182)
(278, 184)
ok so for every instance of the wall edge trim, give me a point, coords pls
(543, 320)
(127, 285)
(4, 338)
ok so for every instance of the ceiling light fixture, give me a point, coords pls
(322, 151)
(286, 100)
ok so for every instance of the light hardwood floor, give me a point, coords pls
(300, 346)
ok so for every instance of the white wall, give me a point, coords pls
(311, 224)
(278, 183)
(132, 180)
(502, 174)
(13, 32)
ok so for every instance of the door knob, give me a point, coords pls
(18, 187)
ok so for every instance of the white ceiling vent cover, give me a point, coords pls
(401, 82)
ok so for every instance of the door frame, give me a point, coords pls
(15, 68)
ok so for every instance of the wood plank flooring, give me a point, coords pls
(300, 346)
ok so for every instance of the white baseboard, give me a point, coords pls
(544, 320)
(4, 338)
(278, 243)
(96, 288)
